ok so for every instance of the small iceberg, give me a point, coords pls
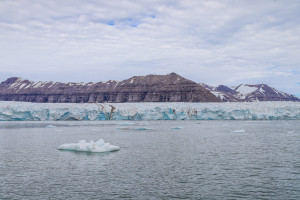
(289, 132)
(95, 147)
(142, 128)
(50, 126)
(127, 123)
(238, 131)
(177, 127)
(136, 128)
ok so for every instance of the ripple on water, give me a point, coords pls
(204, 161)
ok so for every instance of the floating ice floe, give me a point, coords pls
(135, 128)
(289, 132)
(177, 127)
(127, 123)
(142, 128)
(96, 147)
(238, 131)
(143, 124)
(50, 126)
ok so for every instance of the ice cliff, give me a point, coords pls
(21, 111)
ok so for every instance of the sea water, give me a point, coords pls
(201, 160)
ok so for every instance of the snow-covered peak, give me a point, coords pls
(250, 93)
(245, 89)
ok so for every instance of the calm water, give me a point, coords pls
(203, 160)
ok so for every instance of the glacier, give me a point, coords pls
(94, 147)
(24, 111)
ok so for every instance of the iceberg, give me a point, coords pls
(50, 126)
(24, 111)
(177, 127)
(135, 128)
(238, 131)
(95, 147)
(142, 128)
(127, 123)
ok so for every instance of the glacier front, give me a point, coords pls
(23, 111)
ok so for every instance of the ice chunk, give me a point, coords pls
(238, 131)
(96, 147)
(127, 123)
(177, 127)
(50, 126)
(142, 128)
(135, 128)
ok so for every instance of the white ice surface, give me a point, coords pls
(238, 131)
(50, 126)
(22, 111)
(96, 147)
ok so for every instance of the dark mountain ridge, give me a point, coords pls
(150, 88)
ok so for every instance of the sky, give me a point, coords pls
(208, 41)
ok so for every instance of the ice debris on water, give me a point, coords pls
(142, 128)
(24, 111)
(127, 123)
(95, 147)
(135, 128)
(238, 131)
(50, 126)
(177, 127)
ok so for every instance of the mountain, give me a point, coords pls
(151, 88)
(249, 93)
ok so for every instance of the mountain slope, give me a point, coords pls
(262, 92)
(250, 93)
(151, 88)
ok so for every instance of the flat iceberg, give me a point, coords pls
(95, 147)
(23, 111)
(239, 131)
(127, 123)
(135, 128)
(50, 126)
(142, 128)
(177, 127)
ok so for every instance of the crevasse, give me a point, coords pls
(23, 111)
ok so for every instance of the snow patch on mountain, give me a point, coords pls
(245, 89)
(249, 93)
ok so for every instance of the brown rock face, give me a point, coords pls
(151, 88)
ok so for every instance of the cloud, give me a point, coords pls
(208, 41)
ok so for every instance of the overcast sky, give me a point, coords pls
(216, 42)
